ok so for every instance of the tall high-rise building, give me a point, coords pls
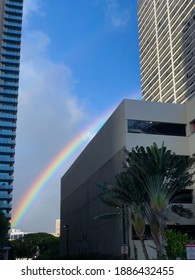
(167, 49)
(10, 41)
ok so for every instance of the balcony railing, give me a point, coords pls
(7, 141)
(8, 216)
(7, 125)
(5, 187)
(11, 61)
(10, 68)
(11, 46)
(6, 116)
(6, 168)
(8, 84)
(10, 38)
(11, 23)
(12, 10)
(14, 3)
(8, 92)
(6, 177)
(11, 31)
(8, 100)
(9, 76)
(5, 206)
(6, 159)
(6, 16)
(15, 54)
(8, 108)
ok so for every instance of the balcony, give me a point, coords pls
(8, 91)
(14, 3)
(11, 46)
(6, 116)
(6, 168)
(9, 53)
(14, 11)
(10, 68)
(6, 196)
(9, 84)
(8, 16)
(6, 159)
(12, 24)
(4, 99)
(8, 216)
(8, 108)
(6, 177)
(5, 206)
(6, 187)
(10, 38)
(12, 31)
(7, 133)
(9, 76)
(11, 61)
(7, 141)
(7, 125)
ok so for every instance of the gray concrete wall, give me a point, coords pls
(87, 235)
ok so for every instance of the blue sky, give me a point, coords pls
(79, 59)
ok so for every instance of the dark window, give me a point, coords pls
(160, 128)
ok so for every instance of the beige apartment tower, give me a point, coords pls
(167, 49)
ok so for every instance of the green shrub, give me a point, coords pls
(176, 244)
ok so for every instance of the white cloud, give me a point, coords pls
(49, 116)
(115, 13)
(31, 6)
(118, 16)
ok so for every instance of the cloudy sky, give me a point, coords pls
(78, 60)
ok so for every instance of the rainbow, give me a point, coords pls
(41, 182)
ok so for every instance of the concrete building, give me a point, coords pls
(132, 123)
(16, 234)
(10, 41)
(57, 231)
(167, 49)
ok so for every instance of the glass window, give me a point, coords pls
(159, 128)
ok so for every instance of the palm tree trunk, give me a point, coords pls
(162, 237)
(141, 238)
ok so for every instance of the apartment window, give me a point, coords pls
(159, 128)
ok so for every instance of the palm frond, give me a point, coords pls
(181, 211)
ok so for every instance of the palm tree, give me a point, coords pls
(162, 174)
(151, 177)
(138, 222)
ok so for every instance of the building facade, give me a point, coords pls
(167, 49)
(16, 234)
(10, 43)
(132, 123)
